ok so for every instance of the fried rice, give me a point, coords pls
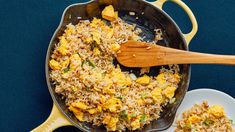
(98, 91)
(204, 118)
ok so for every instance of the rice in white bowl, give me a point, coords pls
(204, 118)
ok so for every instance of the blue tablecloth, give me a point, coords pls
(26, 27)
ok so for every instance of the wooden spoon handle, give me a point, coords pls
(175, 56)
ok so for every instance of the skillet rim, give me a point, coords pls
(49, 53)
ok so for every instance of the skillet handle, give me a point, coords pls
(188, 37)
(55, 120)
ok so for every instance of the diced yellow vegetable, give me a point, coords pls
(115, 47)
(217, 111)
(157, 95)
(109, 14)
(79, 105)
(78, 114)
(143, 80)
(96, 51)
(54, 65)
(169, 92)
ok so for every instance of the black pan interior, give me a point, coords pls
(149, 18)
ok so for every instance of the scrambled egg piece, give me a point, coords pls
(102, 99)
(157, 95)
(140, 102)
(63, 48)
(65, 75)
(88, 40)
(99, 108)
(143, 80)
(66, 63)
(120, 78)
(108, 89)
(113, 105)
(79, 105)
(194, 119)
(115, 47)
(161, 79)
(93, 111)
(96, 22)
(75, 61)
(111, 122)
(106, 119)
(70, 30)
(136, 123)
(54, 65)
(216, 110)
(110, 32)
(96, 51)
(77, 113)
(96, 36)
(109, 14)
(177, 77)
(169, 92)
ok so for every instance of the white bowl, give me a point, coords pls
(210, 95)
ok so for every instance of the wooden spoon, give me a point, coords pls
(141, 54)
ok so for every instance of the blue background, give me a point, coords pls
(26, 27)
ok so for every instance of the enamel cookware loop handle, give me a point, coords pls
(54, 121)
(188, 37)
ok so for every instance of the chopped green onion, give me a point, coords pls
(82, 63)
(143, 118)
(93, 45)
(120, 97)
(188, 126)
(66, 70)
(88, 88)
(208, 122)
(143, 95)
(232, 122)
(90, 63)
(133, 114)
(123, 114)
(172, 100)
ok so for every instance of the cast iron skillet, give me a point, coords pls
(150, 18)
